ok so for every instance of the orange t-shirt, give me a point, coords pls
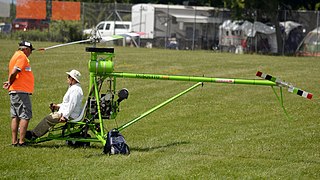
(24, 81)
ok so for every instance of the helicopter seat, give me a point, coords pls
(73, 122)
(81, 114)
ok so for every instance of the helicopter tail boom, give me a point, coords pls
(195, 79)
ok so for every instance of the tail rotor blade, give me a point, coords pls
(291, 89)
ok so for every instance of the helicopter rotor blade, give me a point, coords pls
(95, 38)
(110, 38)
(66, 44)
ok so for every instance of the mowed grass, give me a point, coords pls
(218, 131)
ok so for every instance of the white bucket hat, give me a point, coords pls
(75, 75)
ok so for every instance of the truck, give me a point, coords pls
(109, 28)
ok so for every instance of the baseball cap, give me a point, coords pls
(26, 44)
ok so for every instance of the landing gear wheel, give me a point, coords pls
(78, 143)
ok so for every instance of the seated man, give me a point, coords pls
(70, 108)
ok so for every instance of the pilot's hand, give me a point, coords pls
(52, 107)
(63, 119)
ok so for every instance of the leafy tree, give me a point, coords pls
(302, 4)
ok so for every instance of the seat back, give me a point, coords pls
(81, 114)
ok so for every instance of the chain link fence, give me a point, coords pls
(93, 13)
(298, 34)
(183, 27)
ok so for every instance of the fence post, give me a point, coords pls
(317, 50)
(194, 26)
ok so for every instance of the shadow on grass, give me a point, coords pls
(147, 149)
(57, 146)
(138, 149)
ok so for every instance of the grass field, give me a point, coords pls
(218, 131)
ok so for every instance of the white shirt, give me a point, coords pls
(71, 105)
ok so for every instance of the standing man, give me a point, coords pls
(70, 108)
(20, 85)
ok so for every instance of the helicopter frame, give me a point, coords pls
(99, 106)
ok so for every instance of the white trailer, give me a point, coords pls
(191, 26)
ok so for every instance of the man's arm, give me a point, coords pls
(11, 79)
(13, 75)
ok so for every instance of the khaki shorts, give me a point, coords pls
(20, 105)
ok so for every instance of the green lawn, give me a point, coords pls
(218, 131)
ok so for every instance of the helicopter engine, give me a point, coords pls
(108, 106)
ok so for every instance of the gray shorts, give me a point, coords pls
(20, 105)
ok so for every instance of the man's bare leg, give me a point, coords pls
(23, 129)
(14, 130)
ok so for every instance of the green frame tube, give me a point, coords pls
(194, 79)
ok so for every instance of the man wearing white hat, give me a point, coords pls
(70, 108)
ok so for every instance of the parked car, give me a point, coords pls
(29, 24)
(5, 28)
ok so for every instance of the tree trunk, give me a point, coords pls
(275, 21)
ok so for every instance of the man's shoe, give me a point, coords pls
(23, 144)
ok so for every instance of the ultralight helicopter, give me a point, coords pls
(102, 104)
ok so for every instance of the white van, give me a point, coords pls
(109, 28)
